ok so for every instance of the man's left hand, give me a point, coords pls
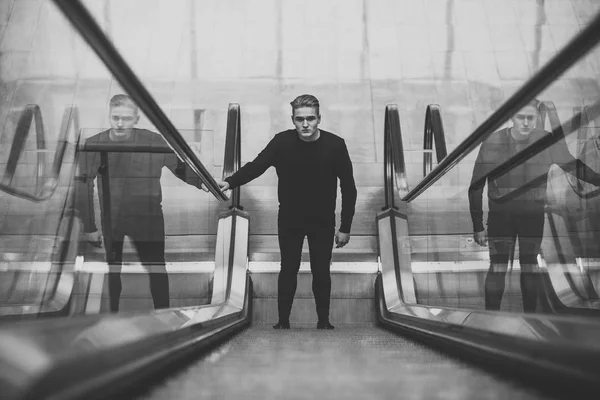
(341, 239)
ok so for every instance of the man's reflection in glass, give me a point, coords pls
(135, 198)
(521, 217)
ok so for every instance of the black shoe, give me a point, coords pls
(324, 325)
(282, 325)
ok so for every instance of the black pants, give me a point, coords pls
(506, 223)
(320, 234)
(147, 232)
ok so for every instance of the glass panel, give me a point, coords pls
(539, 251)
(45, 64)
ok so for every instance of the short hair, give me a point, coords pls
(534, 103)
(305, 100)
(123, 100)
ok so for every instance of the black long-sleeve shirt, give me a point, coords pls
(134, 178)
(307, 172)
(499, 147)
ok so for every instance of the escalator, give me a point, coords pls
(208, 350)
(369, 362)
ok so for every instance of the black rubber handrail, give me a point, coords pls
(394, 164)
(579, 124)
(89, 29)
(531, 151)
(45, 188)
(30, 112)
(233, 154)
(572, 52)
(433, 134)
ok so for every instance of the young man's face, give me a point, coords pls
(123, 119)
(524, 121)
(306, 120)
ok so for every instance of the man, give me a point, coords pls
(308, 162)
(523, 215)
(135, 198)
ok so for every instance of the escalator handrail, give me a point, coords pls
(30, 112)
(579, 121)
(547, 141)
(574, 50)
(433, 134)
(232, 157)
(394, 163)
(46, 189)
(89, 29)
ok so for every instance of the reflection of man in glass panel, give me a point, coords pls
(309, 162)
(522, 216)
(135, 198)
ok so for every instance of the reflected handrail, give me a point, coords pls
(30, 112)
(580, 120)
(531, 151)
(394, 164)
(574, 50)
(433, 132)
(89, 29)
(548, 110)
(45, 189)
(232, 158)
(580, 297)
